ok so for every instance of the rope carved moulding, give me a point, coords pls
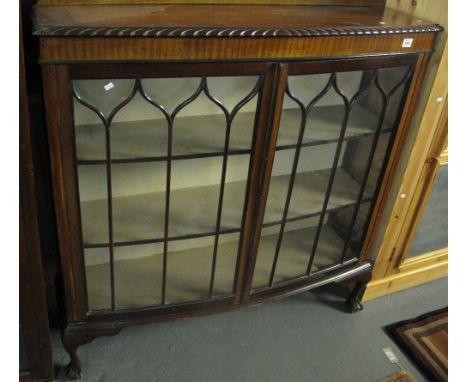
(227, 32)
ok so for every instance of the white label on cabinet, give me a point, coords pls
(407, 42)
(108, 86)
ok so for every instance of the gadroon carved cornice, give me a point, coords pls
(200, 32)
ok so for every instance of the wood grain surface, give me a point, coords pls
(101, 49)
(376, 3)
(227, 20)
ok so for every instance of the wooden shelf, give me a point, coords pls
(295, 253)
(308, 194)
(325, 126)
(203, 136)
(138, 281)
(199, 136)
(139, 219)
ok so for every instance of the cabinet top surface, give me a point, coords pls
(222, 21)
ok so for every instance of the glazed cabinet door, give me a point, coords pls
(162, 156)
(331, 146)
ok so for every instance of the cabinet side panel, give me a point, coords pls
(34, 323)
(62, 156)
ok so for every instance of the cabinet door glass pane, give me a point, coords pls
(334, 137)
(163, 165)
(432, 231)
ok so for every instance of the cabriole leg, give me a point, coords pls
(77, 334)
(354, 300)
(73, 369)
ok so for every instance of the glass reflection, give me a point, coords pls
(335, 134)
(162, 169)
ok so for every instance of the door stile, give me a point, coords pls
(61, 138)
(391, 163)
(258, 143)
(263, 158)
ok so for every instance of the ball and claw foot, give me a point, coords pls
(73, 371)
(77, 334)
(355, 306)
(354, 299)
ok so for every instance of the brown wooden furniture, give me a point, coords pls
(205, 157)
(35, 347)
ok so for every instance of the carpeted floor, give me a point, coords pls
(425, 340)
(302, 338)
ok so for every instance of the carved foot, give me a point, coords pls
(73, 369)
(77, 334)
(354, 299)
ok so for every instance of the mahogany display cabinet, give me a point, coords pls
(207, 157)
